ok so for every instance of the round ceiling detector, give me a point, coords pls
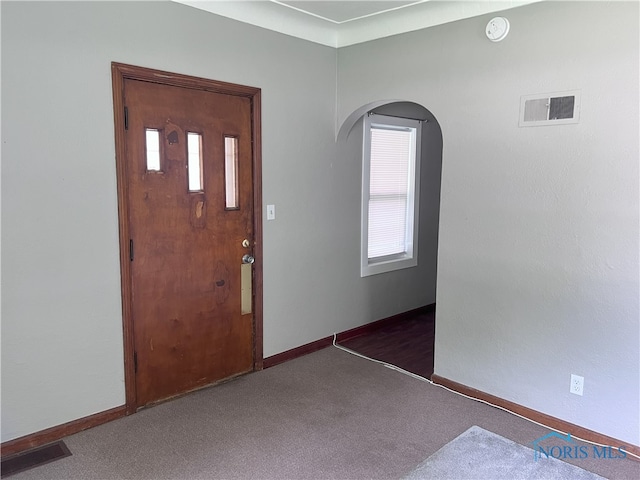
(497, 29)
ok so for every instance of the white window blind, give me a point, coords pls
(390, 188)
(391, 152)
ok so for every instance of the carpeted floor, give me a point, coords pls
(322, 416)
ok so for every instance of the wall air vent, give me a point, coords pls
(557, 108)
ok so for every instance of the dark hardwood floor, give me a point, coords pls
(407, 344)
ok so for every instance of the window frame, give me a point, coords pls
(408, 258)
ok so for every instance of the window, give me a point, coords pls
(390, 188)
(231, 172)
(152, 147)
(194, 161)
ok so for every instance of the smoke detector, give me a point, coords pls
(497, 29)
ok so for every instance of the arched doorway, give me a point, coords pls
(407, 339)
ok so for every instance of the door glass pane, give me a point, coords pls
(152, 146)
(231, 172)
(194, 161)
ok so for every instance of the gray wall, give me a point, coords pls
(418, 284)
(538, 247)
(61, 308)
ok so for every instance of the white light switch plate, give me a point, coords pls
(271, 212)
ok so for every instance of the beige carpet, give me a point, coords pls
(327, 415)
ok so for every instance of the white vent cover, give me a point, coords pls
(557, 108)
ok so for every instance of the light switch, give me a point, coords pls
(271, 212)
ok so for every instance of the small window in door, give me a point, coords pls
(194, 161)
(231, 172)
(152, 147)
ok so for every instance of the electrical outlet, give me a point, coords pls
(577, 384)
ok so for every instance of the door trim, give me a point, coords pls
(119, 73)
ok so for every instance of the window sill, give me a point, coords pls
(377, 266)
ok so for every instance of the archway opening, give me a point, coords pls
(407, 338)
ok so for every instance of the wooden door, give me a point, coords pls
(190, 208)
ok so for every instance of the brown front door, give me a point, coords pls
(190, 208)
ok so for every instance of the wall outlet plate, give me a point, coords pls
(577, 384)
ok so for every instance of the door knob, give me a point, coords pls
(248, 259)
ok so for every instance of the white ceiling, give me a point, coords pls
(342, 23)
(346, 11)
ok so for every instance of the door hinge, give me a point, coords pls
(126, 118)
(135, 362)
(131, 250)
